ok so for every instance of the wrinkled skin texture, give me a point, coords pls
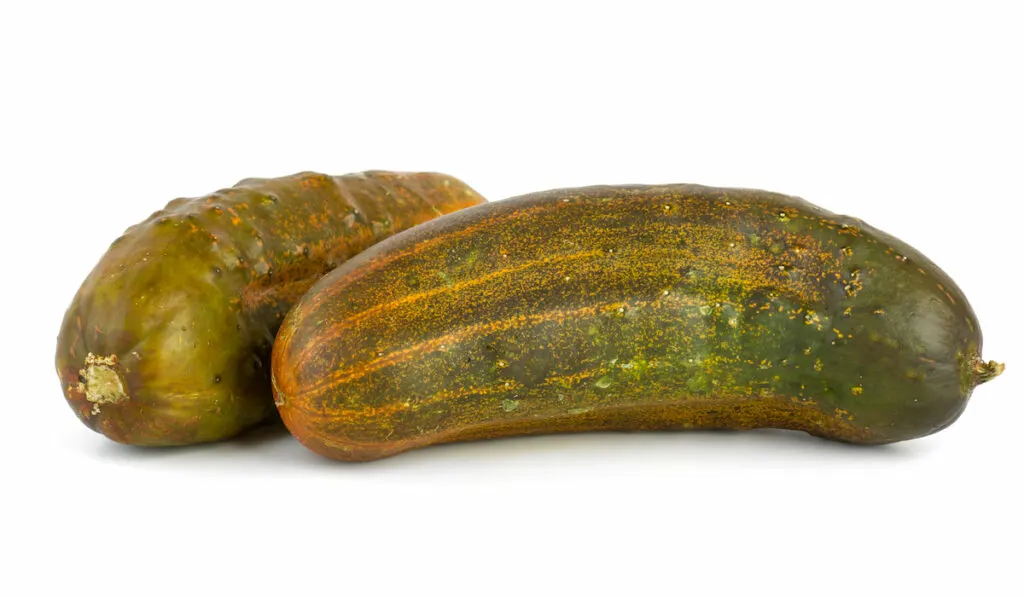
(168, 340)
(627, 308)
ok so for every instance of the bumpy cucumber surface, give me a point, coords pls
(628, 308)
(168, 340)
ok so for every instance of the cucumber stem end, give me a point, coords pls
(102, 382)
(986, 371)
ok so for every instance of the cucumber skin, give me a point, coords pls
(627, 308)
(185, 305)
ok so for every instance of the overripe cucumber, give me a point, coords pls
(630, 307)
(168, 340)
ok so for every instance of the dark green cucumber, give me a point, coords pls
(635, 307)
(168, 340)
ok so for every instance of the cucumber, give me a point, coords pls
(167, 342)
(627, 308)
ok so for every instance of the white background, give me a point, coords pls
(906, 115)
